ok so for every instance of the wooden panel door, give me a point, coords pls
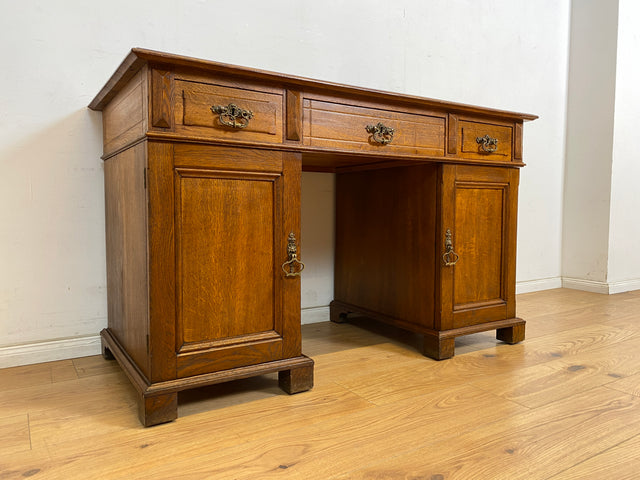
(478, 215)
(233, 211)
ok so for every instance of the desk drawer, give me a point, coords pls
(343, 126)
(208, 110)
(485, 141)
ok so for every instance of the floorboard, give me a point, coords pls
(563, 404)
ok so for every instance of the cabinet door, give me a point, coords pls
(233, 210)
(478, 223)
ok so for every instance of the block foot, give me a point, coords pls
(511, 335)
(106, 353)
(438, 348)
(157, 409)
(337, 314)
(296, 380)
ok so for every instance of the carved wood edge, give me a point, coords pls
(205, 379)
(344, 307)
(130, 369)
(125, 72)
(147, 389)
(161, 106)
(481, 327)
(293, 148)
(139, 56)
(293, 115)
(517, 140)
(452, 144)
(442, 334)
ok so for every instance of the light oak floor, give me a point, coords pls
(565, 404)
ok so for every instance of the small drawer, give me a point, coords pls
(350, 127)
(228, 113)
(486, 141)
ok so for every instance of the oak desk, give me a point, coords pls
(202, 167)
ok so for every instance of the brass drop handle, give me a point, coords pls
(487, 144)
(380, 133)
(449, 257)
(289, 267)
(232, 115)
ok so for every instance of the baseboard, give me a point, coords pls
(585, 285)
(49, 351)
(538, 285)
(315, 315)
(577, 284)
(66, 348)
(601, 287)
(624, 286)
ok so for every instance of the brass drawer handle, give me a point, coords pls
(232, 115)
(292, 251)
(380, 133)
(449, 257)
(487, 144)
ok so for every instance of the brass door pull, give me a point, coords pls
(449, 257)
(290, 264)
(380, 133)
(487, 144)
(232, 115)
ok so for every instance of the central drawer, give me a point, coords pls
(350, 126)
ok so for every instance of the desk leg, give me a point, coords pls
(337, 313)
(296, 380)
(438, 348)
(106, 353)
(511, 335)
(153, 410)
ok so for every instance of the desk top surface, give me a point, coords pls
(139, 57)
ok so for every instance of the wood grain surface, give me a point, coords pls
(563, 405)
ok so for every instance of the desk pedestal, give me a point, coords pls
(429, 248)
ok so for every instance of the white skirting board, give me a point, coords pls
(49, 351)
(601, 287)
(315, 315)
(66, 348)
(538, 285)
(577, 284)
(63, 349)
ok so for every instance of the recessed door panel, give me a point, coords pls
(479, 242)
(226, 255)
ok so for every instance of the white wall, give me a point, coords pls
(590, 113)
(601, 199)
(317, 229)
(509, 54)
(624, 228)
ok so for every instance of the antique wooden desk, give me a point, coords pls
(202, 167)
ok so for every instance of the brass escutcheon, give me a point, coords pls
(449, 257)
(290, 264)
(487, 144)
(380, 133)
(232, 115)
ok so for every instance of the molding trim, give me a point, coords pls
(315, 315)
(577, 284)
(49, 351)
(529, 286)
(624, 286)
(607, 288)
(585, 285)
(64, 349)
